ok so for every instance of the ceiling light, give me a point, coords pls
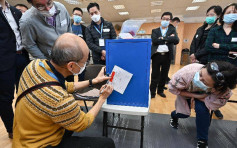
(155, 10)
(199, 1)
(156, 3)
(119, 7)
(110, 0)
(192, 8)
(73, 2)
(123, 13)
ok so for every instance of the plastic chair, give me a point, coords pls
(90, 73)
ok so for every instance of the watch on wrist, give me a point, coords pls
(90, 83)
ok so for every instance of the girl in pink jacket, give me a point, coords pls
(210, 88)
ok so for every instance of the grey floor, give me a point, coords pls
(158, 133)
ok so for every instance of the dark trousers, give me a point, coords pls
(7, 80)
(70, 141)
(101, 62)
(22, 60)
(202, 119)
(160, 70)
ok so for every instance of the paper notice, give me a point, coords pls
(120, 79)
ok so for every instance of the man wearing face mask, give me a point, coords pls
(41, 25)
(77, 27)
(163, 40)
(47, 105)
(97, 33)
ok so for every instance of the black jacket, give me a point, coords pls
(8, 40)
(92, 37)
(168, 40)
(198, 45)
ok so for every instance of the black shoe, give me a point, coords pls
(202, 144)
(174, 123)
(218, 114)
(162, 95)
(165, 88)
(153, 96)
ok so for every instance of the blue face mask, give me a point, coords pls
(198, 83)
(77, 19)
(165, 23)
(210, 19)
(230, 18)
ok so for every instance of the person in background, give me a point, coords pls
(198, 52)
(209, 86)
(163, 40)
(79, 30)
(12, 59)
(173, 23)
(46, 116)
(41, 25)
(97, 32)
(23, 8)
(221, 41)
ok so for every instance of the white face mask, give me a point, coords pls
(96, 18)
(81, 69)
(49, 13)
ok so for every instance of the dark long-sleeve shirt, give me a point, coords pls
(227, 43)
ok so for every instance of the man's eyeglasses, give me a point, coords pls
(165, 19)
(219, 76)
(48, 5)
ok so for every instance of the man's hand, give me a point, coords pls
(102, 58)
(215, 45)
(101, 76)
(107, 90)
(193, 58)
(172, 35)
(103, 53)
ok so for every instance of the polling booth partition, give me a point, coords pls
(128, 60)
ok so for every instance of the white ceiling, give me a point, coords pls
(142, 9)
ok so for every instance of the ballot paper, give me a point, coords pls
(120, 79)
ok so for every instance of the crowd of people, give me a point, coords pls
(41, 52)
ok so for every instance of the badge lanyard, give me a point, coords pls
(164, 33)
(48, 72)
(100, 32)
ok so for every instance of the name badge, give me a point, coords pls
(64, 22)
(101, 42)
(106, 30)
(234, 40)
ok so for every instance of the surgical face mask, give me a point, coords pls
(165, 23)
(198, 83)
(49, 13)
(230, 18)
(95, 18)
(210, 19)
(77, 19)
(81, 69)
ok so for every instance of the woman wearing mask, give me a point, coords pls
(197, 48)
(209, 86)
(222, 41)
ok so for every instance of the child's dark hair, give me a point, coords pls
(228, 70)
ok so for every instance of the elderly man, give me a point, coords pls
(45, 108)
(41, 25)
